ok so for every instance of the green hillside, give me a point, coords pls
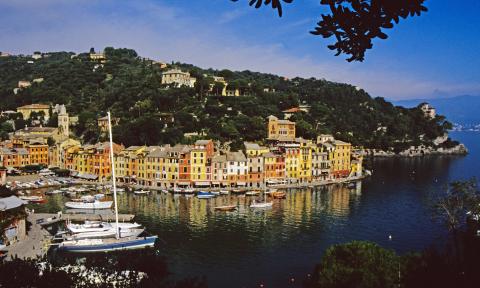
(130, 86)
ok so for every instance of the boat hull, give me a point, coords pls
(138, 243)
(94, 205)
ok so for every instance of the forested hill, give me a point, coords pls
(130, 86)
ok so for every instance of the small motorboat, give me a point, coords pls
(188, 191)
(141, 192)
(165, 191)
(252, 193)
(33, 199)
(256, 204)
(205, 195)
(279, 195)
(215, 192)
(225, 208)
(224, 192)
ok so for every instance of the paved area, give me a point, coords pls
(34, 245)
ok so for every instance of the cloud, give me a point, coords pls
(162, 32)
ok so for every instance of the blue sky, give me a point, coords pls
(435, 55)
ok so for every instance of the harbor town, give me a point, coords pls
(239, 143)
(282, 158)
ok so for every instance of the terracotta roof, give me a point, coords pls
(292, 110)
(34, 106)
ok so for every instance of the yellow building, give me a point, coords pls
(198, 167)
(28, 109)
(98, 57)
(178, 78)
(305, 164)
(93, 161)
(292, 162)
(280, 130)
(339, 154)
(58, 152)
(253, 149)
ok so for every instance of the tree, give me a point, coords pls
(355, 23)
(356, 264)
(460, 198)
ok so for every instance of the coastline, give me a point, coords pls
(421, 151)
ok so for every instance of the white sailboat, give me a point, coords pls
(263, 204)
(92, 245)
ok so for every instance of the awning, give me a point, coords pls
(215, 183)
(183, 183)
(202, 183)
(241, 183)
(272, 181)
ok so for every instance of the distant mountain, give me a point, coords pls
(462, 109)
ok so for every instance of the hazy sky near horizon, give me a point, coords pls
(434, 55)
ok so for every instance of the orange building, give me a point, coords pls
(14, 157)
(38, 153)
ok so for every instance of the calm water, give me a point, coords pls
(246, 247)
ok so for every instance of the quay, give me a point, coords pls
(37, 241)
(49, 218)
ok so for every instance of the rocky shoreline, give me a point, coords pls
(419, 151)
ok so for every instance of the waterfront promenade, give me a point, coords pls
(35, 244)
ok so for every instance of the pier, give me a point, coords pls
(37, 240)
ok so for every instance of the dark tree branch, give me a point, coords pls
(355, 23)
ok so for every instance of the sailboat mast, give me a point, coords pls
(117, 234)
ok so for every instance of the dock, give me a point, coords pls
(38, 239)
(49, 219)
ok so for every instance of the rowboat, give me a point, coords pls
(89, 205)
(225, 208)
(279, 195)
(141, 192)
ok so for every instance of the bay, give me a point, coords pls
(247, 248)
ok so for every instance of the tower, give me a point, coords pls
(63, 122)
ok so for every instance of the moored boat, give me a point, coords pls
(261, 204)
(107, 245)
(279, 195)
(224, 192)
(89, 205)
(33, 199)
(252, 193)
(141, 192)
(225, 208)
(205, 195)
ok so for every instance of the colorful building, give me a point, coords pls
(27, 110)
(280, 130)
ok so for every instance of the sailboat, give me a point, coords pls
(263, 204)
(92, 245)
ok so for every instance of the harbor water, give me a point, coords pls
(246, 248)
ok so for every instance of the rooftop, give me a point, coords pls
(34, 106)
